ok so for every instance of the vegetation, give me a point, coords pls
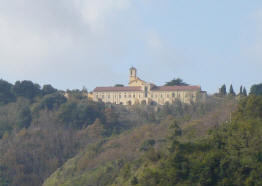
(223, 90)
(230, 155)
(47, 138)
(231, 91)
(256, 89)
(176, 82)
(119, 85)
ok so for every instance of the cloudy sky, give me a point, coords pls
(76, 43)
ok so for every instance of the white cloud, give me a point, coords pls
(37, 29)
(95, 13)
(44, 39)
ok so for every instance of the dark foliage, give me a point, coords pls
(26, 89)
(176, 82)
(48, 89)
(6, 94)
(223, 90)
(256, 89)
(231, 155)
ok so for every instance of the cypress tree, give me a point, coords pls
(241, 91)
(244, 92)
(223, 90)
(231, 91)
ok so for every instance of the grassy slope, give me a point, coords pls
(100, 163)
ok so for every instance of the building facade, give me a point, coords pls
(141, 92)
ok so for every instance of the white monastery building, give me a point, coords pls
(141, 92)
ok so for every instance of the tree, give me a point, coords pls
(25, 117)
(111, 116)
(6, 95)
(50, 102)
(223, 90)
(176, 82)
(134, 181)
(241, 91)
(231, 91)
(256, 89)
(119, 85)
(244, 92)
(26, 89)
(48, 89)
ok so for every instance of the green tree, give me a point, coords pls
(80, 114)
(256, 89)
(26, 89)
(119, 85)
(223, 90)
(50, 102)
(231, 91)
(176, 82)
(241, 91)
(25, 117)
(134, 181)
(244, 92)
(6, 95)
(48, 89)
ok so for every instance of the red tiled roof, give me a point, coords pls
(119, 89)
(176, 88)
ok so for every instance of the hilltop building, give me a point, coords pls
(141, 92)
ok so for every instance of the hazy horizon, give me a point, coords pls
(76, 43)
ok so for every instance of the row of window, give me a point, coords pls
(134, 96)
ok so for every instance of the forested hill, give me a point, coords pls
(47, 138)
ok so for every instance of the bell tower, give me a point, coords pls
(132, 72)
(132, 75)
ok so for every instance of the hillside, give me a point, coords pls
(47, 138)
(229, 155)
(102, 162)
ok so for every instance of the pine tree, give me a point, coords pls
(231, 91)
(244, 92)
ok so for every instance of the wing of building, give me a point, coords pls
(141, 92)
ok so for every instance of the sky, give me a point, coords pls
(73, 44)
